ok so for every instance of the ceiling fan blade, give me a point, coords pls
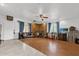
(45, 17)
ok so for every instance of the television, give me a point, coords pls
(10, 18)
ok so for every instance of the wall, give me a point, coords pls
(8, 28)
(39, 27)
(68, 23)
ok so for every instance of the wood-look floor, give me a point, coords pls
(53, 47)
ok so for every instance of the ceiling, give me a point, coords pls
(29, 11)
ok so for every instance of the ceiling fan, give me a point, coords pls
(43, 17)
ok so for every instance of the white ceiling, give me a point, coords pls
(54, 11)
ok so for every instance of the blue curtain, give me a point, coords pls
(21, 28)
(30, 27)
(57, 27)
(49, 26)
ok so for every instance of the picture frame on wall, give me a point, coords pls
(9, 18)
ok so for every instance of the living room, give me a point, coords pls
(53, 27)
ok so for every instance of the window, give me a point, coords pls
(53, 27)
(26, 27)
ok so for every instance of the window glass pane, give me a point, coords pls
(26, 27)
(53, 27)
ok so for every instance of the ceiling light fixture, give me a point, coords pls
(43, 17)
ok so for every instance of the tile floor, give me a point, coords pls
(17, 48)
